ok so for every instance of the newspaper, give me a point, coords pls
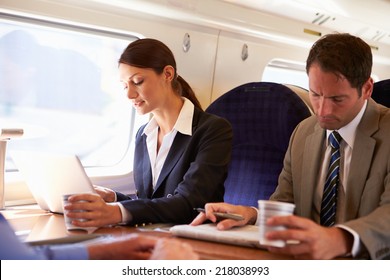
(247, 236)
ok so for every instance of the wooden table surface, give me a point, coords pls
(35, 225)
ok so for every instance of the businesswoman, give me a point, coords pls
(181, 154)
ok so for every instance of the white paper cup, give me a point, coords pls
(268, 209)
(68, 221)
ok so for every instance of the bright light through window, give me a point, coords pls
(61, 85)
(286, 72)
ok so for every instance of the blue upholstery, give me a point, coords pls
(381, 92)
(263, 116)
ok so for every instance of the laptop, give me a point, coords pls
(51, 175)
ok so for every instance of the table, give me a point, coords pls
(33, 224)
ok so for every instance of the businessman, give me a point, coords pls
(345, 213)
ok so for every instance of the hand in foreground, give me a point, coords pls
(130, 247)
(249, 214)
(107, 194)
(92, 211)
(173, 249)
(313, 241)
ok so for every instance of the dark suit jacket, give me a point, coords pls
(367, 198)
(193, 173)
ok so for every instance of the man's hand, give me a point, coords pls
(311, 241)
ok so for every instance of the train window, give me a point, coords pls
(286, 72)
(59, 83)
(290, 72)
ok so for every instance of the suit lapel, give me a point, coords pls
(362, 154)
(147, 172)
(179, 145)
(310, 169)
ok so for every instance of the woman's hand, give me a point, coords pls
(107, 194)
(249, 214)
(90, 210)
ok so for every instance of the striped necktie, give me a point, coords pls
(328, 205)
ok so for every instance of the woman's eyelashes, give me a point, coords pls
(137, 82)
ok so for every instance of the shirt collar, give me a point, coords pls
(348, 132)
(183, 123)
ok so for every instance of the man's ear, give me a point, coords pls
(367, 88)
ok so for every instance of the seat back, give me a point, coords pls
(263, 116)
(303, 94)
(381, 92)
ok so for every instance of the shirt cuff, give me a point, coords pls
(356, 240)
(257, 218)
(126, 215)
(64, 252)
(115, 197)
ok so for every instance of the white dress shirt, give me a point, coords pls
(348, 133)
(183, 125)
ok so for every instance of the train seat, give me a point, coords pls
(303, 94)
(263, 116)
(381, 92)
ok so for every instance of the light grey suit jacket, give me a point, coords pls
(367, 198)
